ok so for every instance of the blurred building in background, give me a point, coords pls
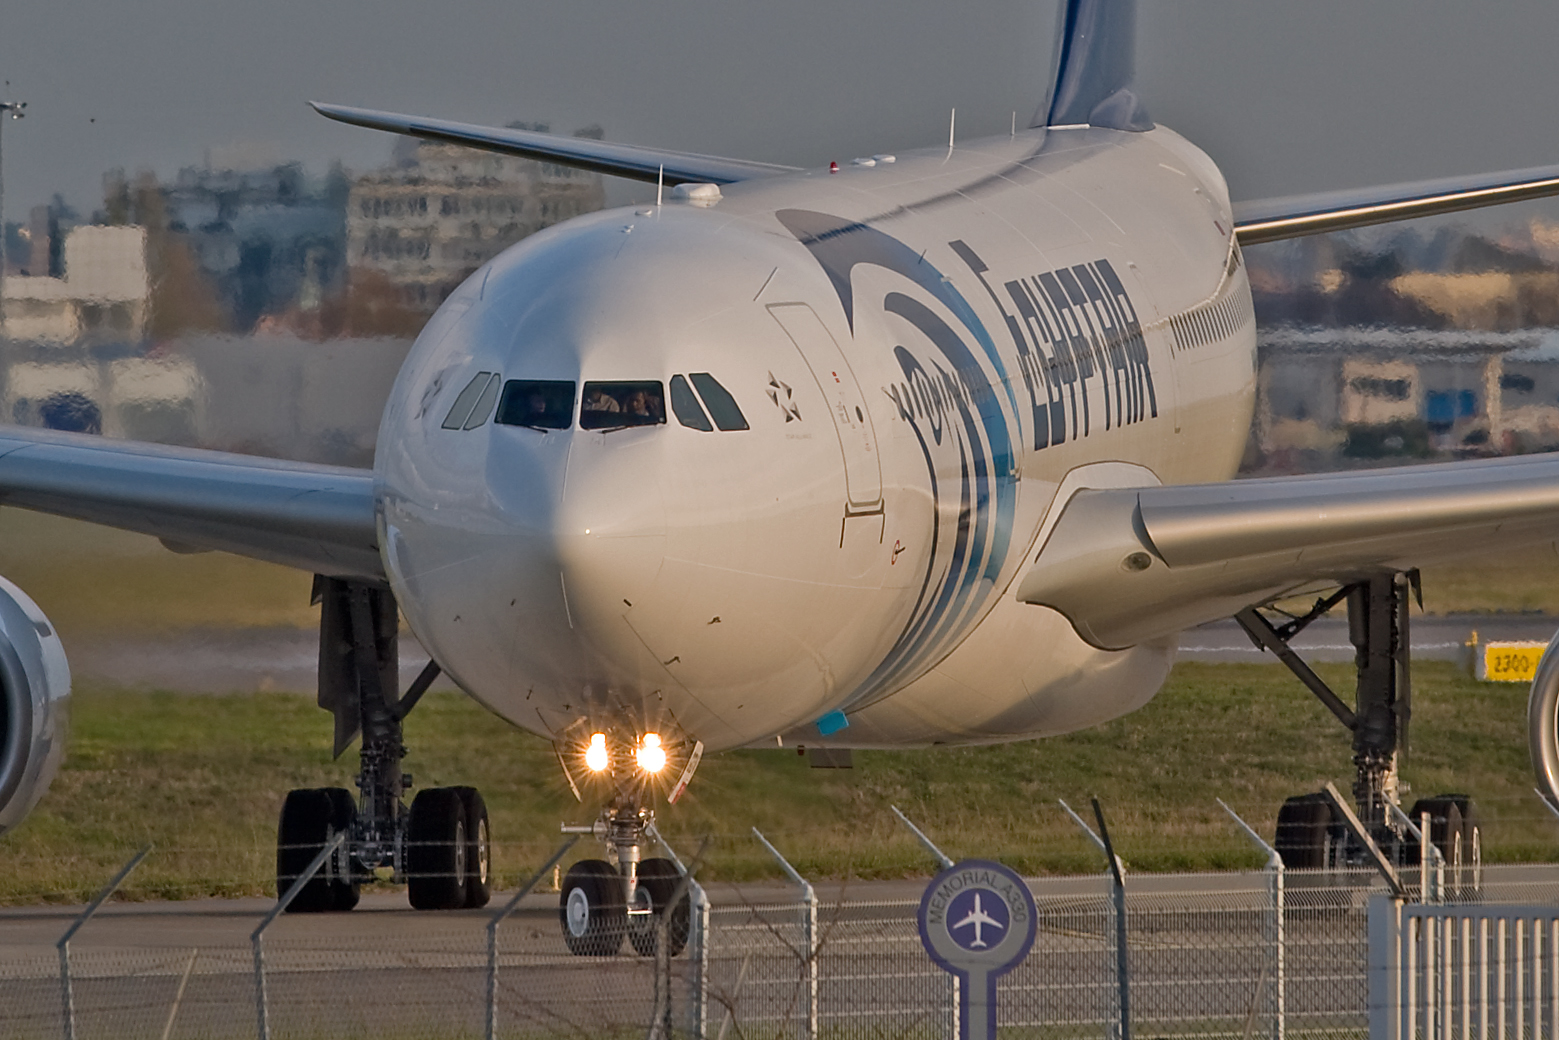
(264, 241)
(1331, 399)
(94, 286)
(439, 212)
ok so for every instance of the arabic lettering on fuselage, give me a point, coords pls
(1073, 328)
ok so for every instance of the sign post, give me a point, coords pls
(977, 921)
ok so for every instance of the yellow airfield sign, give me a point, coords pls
(1514, 661)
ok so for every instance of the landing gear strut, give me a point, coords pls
(440, 847)
(1308, 835)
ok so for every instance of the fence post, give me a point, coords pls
(698, 934)
(1431, 879)
(492, 934)
(1115, 871)
(954, 1010)
(1385, 968)
(1550, 806)
(67, 995)
(1122, 952)
(930, 846)
(257, 937)
(808, 933)
(698, 1000)
(698, 941)
(1275, 874)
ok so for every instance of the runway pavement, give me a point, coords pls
(385, 915)
(264, 659)
(1200, 954)
(1435, 638)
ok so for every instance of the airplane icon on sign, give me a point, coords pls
(979, 918)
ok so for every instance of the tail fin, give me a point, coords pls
(1096, 72)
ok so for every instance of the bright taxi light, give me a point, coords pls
(651, 756)
(596, 756)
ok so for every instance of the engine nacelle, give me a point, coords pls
(1543, 722)
(34, 698)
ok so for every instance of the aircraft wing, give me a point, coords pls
(1135, 564)
(620, 160)
(1270, 220)
(317, 518)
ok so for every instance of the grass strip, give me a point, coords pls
(203, 778)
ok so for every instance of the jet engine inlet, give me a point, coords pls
(1543, 722)
(34, 695)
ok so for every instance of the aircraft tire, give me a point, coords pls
(436, 849)
(479, 853)
(310, 817)
(590, 908)
(1455, 831)
(1304, 832)
(658, 880)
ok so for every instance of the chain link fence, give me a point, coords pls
(1209, 955)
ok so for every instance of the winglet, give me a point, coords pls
(1096, 73)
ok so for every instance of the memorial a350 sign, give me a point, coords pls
(977, 921)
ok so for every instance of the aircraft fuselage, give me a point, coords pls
(923, 353)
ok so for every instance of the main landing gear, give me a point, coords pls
(1310, 831)
(440, 847)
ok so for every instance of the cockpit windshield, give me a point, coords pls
(608, 406)
(544, 404)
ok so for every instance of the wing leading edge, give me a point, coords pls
(620, 160)
(1271, 220)
(1126, 566)
(316, 518)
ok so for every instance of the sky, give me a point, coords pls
(1287, 96)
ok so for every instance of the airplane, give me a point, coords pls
(979, 918)
(917, 450)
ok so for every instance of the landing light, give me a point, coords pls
(651, 756)
(596, 756)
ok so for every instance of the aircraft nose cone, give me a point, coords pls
(584, 516)
(611, 532)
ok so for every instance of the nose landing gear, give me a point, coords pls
(600, 901)
(440, 848)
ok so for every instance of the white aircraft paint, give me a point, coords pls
(924, 352)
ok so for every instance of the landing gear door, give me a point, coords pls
(847, 405)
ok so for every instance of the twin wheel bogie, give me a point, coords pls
(442, 850)
(1312, 836)
(596, 909)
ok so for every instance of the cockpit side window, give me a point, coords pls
(722, 406)
(466, 402)
(542, 404)
(484, 404)
(689, 412)
(610, 406)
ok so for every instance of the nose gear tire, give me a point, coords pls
(658, 879)
(590, 907)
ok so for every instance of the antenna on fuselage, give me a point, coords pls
(952, 124)
(660, 185)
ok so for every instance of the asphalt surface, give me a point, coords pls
(268, 659)
(1440, 638)
(1200, 954)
